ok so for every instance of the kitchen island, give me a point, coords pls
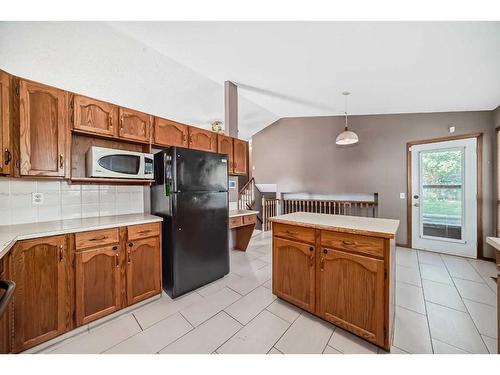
(340, 268)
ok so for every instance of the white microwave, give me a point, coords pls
(111, 163)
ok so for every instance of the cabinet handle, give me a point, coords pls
(322, 264)
(184, 137)
(110, 121)
(128, 257)
(130, 244)
(8, 156)
(311, 248)
(121, 122)
(99, 239)
(311, 260)
(61, 253)
(117, 261)
(61, 161)
(349, 242)
(190, 139)
(144, 231)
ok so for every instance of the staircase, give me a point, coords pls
(246, 196)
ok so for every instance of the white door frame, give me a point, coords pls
(478, 165)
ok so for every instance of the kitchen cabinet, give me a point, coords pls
(170, 133)
(5, 146)
(201, 139)
(93, 116)
(225, 146)
(351, 293)
(5, 326)
(134, 125)
(40, 269)
(294, 272)
(97, 282)
(43, 130)
(143, 264)
(240, 158)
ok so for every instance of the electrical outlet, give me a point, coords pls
(402, 195)
(37, 199)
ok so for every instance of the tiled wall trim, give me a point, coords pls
(65, 201)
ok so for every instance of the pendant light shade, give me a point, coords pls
(347, 137)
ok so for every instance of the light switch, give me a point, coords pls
(37, 199)
(402, 195)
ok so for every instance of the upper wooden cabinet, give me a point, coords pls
(94, 116)
(294, 272)
(134, 125)
(40, 269)
(356, 302)
(240, 159)
(43, 129)
(201, 139)
(170, 133)
(5, 147)
(225, 146)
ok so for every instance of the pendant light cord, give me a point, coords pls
(345, 111)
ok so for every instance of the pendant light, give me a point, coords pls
(347, 137)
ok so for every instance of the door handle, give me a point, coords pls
(416, 205)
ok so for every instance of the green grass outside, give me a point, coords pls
(442, 207)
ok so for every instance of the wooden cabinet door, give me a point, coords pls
(5, 327)
(240, 157)
(225, 146)
(201, 139)
(5, 149)
(134, 125)
(41, 304)
(351, 293)
(294, 273)
(143, 269)
(170, 133)
(43, 128)
(97, 283)
(94, 116)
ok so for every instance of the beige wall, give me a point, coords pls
(300, 155)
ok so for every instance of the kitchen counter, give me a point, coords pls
(236, 213)
(385, 228)
(494, 241)
(9, 234)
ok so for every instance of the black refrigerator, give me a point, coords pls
(190, 192)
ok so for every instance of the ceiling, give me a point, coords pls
(300, 68)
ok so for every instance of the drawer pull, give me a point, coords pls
(99, 238)
(145, 231)
(352, 243)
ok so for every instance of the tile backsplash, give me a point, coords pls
(65, 201)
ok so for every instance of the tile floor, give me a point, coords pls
(445, 304)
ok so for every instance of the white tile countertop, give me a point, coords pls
(376, 227)
(9, 234)
(235, 213)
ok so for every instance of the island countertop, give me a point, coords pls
(385, 228)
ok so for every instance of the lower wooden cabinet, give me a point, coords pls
(294, 272)
(5, 326)
(97, 283)
(351, 293)
(41, 305)
(143, 269)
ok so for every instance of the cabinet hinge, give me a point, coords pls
(17, 90)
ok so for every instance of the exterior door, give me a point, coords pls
(225, 146)
(134, 125)
(351, 293)
(5, 151)
(444, 197)
(97, 283)
(240, 157)
(43, 128)
(294, 272)
(201, 139)
(39, 269)
(170, 133)
(143, 269)
(94, 116)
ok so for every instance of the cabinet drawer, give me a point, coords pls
(249, 219)
(143, 231)
(235, 221)
(353, 243)
(95, 238)
(294, 232)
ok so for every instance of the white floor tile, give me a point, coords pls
(268, 258)
(274, 351)
(411, 332)
(443, 348)
(406, 257)
(455, 328)
(428, 257)
(217, 285)
(102, 337)
(478, 292)
(249, 306)
(257, 337)
(268, 284)
(205, 338)
(330, 350)
(491, 344)
(484, 268)
(308, 334)
(347, 343)
(410, 297)
(163, 308)
(284, 310)
(443, 294)
(250, 282)
(248, 268)
(209, 306)
(408, 275)
(155, 338)
(460, 267)
(394, 350)
(484, 317)
(435, 273)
